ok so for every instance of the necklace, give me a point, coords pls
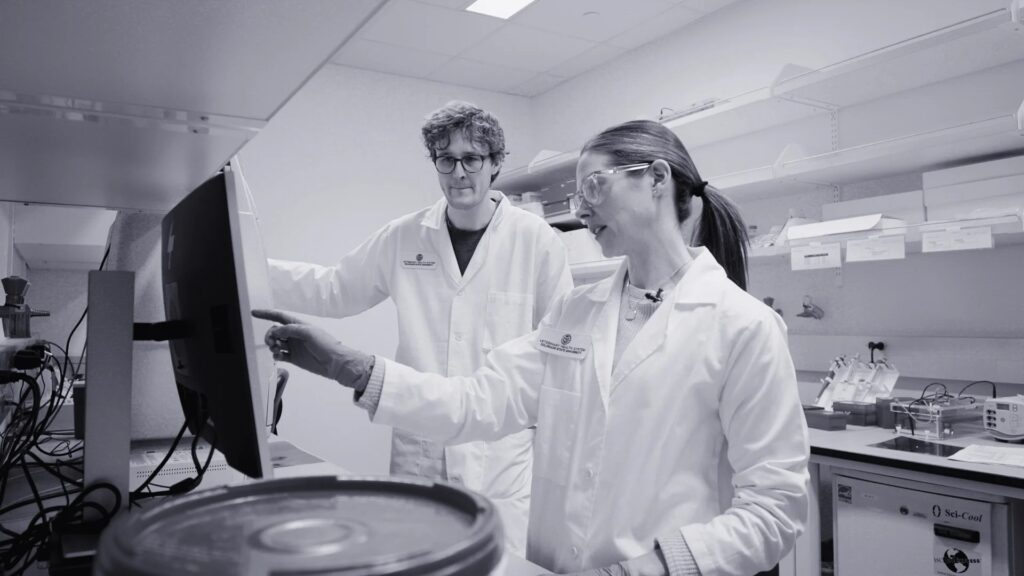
(654, 297)
(633, 306)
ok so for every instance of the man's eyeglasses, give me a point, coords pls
(589, 188)
(471, 163)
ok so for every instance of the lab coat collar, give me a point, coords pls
(700, 285)
(434, 217)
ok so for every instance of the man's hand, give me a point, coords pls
(313, 349)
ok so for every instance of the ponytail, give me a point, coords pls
(721, 230)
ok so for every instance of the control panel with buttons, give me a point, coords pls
(1004, 418)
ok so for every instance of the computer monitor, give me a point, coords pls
(221, 382)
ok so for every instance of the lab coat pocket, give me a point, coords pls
(557, 417)
(509, 315)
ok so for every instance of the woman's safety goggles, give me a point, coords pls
(590, 188)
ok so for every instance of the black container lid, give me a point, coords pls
(365, 527)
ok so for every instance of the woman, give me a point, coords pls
(670, 438)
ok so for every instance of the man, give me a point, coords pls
(466, 275)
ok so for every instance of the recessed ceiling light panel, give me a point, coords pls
(503, 9)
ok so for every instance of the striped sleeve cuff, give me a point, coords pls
(678, 558)
(369, 398)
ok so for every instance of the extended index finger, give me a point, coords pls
(278, 316)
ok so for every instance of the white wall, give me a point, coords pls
(6, 240)
(64, 293)
(739, 48)
(341, 159)
(11, 262)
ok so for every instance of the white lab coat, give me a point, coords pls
(698, 429)
(448, 321)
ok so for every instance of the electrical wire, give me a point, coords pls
(140, 491)
(989, 382)
(37, 404)
(34, 405)
(24, 437)
(188, 484)
(19, 552)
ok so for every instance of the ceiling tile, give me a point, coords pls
(707, 5)
(666, 22)
(526, 48)
(595, 20)
(461, 4)
(427, 27)
(539, 84)
(383, 57)
(480, 75)
(590, 59)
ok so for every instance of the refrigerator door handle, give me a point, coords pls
(957, 533)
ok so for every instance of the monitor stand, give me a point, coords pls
(108, 400)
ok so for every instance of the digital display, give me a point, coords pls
(1002, 406)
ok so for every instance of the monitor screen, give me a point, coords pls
(221, 383)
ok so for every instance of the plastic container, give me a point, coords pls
(938, 420)
(857, 413)
(884, 416)
(349, 527)
(825, 419)
(533, 202)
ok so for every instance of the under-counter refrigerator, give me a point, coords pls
(892, 526)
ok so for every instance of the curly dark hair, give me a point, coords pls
(475, 124)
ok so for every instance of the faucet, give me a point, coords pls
(15, 313)
(811, 310)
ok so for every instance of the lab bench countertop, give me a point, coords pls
(856, 444)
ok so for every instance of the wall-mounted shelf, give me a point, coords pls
(743, 114)
(564, 221)
(983, 54)
(1006, 229)
(969, 46)
(1002, 134)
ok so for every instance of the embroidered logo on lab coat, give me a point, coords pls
(561, 343)
(419, 260)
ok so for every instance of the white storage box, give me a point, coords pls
(979, 190)
(843, 226)
(977, 199)
(973, 172)
(581, 246)
(907, 206)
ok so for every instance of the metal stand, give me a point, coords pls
(108, 400)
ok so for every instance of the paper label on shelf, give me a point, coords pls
(881, 248)
(963, 239)
(815, 256)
